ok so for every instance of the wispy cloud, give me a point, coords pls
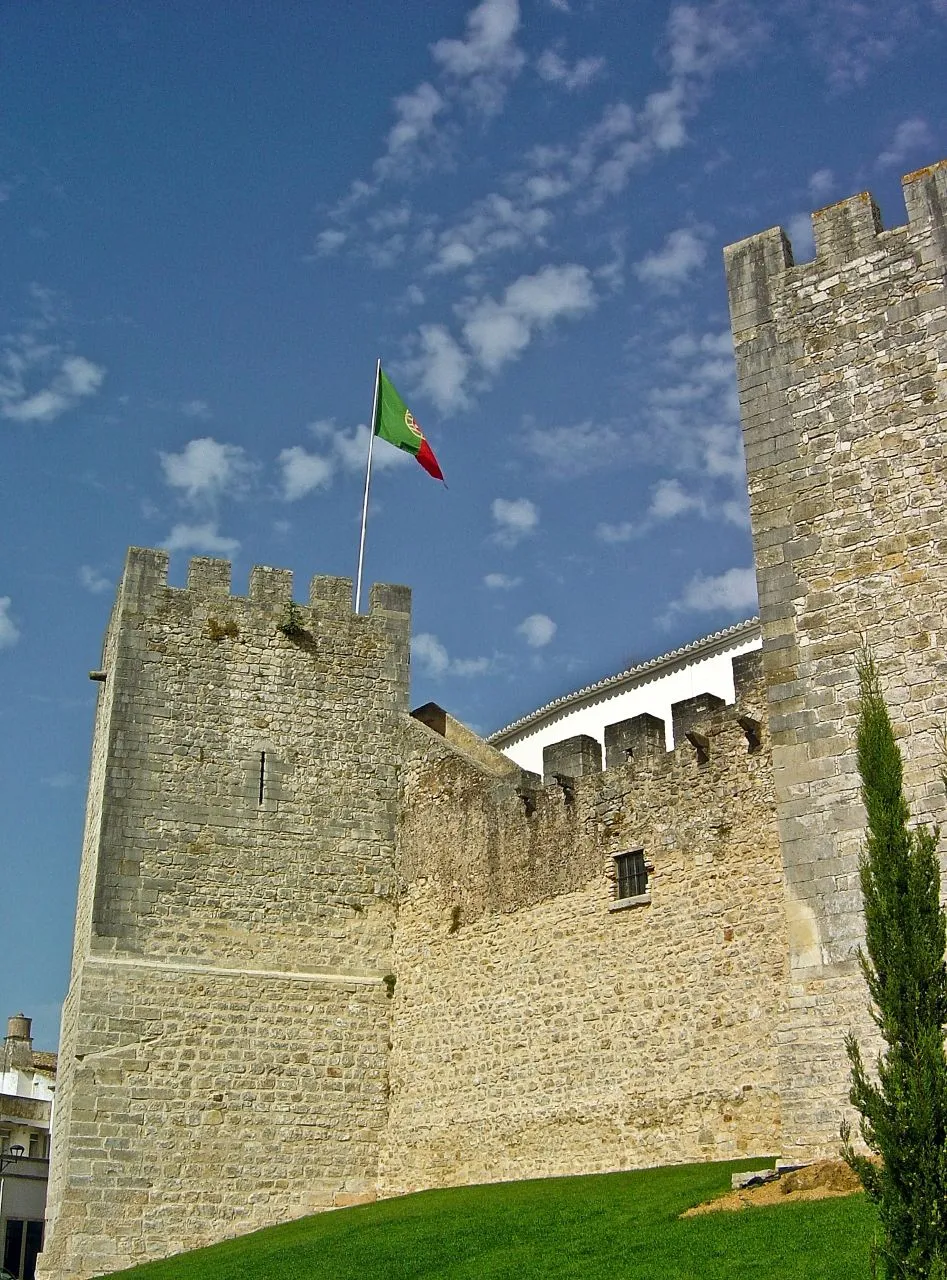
(537, 630)
(61, 780)
(430, 655)
(613, 534)
(821, 184)
(203, 538)
(439, 367)
(731, 592)
(670, 499)
(196, 409)
(799, 230)
(302, 472)
(39, 382)
(672, 266)
(9, 632)
(911, 137)
(851, 39)
(495, 224)
(570, 451)
(500, 582)
(555, 70)
(499, 331)
(487, 58)
(93, 580)
(206, 470)
(416, 113)
(515, 519)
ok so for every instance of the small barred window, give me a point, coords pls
(631, 875)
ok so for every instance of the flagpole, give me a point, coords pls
(368, 480)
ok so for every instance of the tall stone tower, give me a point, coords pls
(842, 367)
(224, 1055)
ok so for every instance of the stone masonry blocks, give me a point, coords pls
(572, 758)
(235, 918)
(840, 373)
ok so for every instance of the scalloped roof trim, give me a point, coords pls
(686, 650)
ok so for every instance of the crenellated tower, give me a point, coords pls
(224, 1055)
(842, 369)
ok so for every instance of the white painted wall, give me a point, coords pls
(651, 693)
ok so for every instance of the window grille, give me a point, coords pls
(631, 875)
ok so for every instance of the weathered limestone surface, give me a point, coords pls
(538, 1031)
(842, 366)
(225, 1035)
(324, 949)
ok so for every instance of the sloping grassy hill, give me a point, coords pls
(610, 1227)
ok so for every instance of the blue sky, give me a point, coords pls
(213, 218)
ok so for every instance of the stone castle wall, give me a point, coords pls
(539, 1030)
(325, 949)
(842, 367)
(225, 1040)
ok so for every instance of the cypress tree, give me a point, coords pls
(904, 1111)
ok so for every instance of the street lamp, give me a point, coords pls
(11, 1156)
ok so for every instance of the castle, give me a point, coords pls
(327, 950)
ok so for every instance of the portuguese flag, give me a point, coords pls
(395, 423)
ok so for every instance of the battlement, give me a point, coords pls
(844, 232)
(642, 738)
(145, 580)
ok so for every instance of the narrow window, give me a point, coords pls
(631, 875)
(262, 775)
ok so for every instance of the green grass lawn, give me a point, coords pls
(608, 1226)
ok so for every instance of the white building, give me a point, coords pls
(27, 1085)
(705, 666)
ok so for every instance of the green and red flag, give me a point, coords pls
(395, 423)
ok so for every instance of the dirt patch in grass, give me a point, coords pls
(819, 1181)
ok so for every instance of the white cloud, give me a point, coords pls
(440, 368)
(851, 38)
(196, 409)
(487, 59)
(416, 113)
(516, 518)
(60, 780)
(201, 538)
(684, 346)
(500, 582)
(722, 445)
(703, 40)
(682, 254)
(330, 241)
(206, 470)
(303, 472)
(499, 331)
(92, 580)
(612, 534)
(433, 659)
(821, 184)
(537, 630)
(429, 654)
(555, 70)
(9, 632)
(68, 378)
(910, 137)
(351, 449)
(578, 450)
(730, 592)
(799, 230)
(495, 224)
(669, 499)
